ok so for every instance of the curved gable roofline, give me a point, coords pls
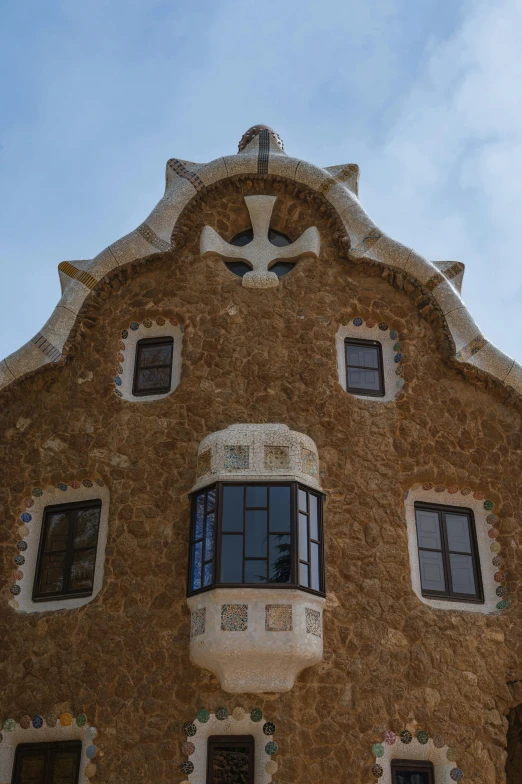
(263, 155)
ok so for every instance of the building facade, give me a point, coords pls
(261, 503)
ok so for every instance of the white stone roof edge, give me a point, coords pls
(338, 184)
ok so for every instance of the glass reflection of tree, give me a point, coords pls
(230, 767)
(282, 566)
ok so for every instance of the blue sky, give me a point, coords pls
(424, 96)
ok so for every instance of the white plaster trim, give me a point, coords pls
(23, 602)
(256, 660)
(129, 358)
(256, 437)
(229, 726)
(392, 382)
(484, 543)
(44, 735)
(416, 751)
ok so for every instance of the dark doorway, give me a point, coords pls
(514, 746)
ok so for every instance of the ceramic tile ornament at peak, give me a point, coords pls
(261, 155)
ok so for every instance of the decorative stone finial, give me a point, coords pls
(254, 131)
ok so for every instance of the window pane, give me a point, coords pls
(302, 501)
(154, 378)
(413, 777)
(86, 534)
(211, 499)
(82, 570)
(32, 768)
(462, 577)
(155, 355)
(231, 558)
(314, 517)
(279, 508)
(196, 566)
(230, 765)
(363, 356)
(432, 571)
(233, 508)
(256, 532)
(52, 573)
(207, 574)
(428, 529)
(303, 537)
(280, 559)
(457, 527)
(363, 379)
(209, 537)
(57, 532)
(200, 516)
(314, 567)
(64, 770)
(255, 571)
(303, 575)
(256, 496)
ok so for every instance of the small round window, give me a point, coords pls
(277, 238)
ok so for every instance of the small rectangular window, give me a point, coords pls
(448, 554)
(47, 763)
(364, 370)
(412, 772)
(153, 366)
(230, 759)
(67, 551)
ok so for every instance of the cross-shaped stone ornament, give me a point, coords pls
(260, 253)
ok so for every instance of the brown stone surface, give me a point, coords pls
(390, 661)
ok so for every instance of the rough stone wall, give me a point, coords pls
(390, 661)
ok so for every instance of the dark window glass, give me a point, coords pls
(412, 772)
(67, 551)
(364, 372)
(230, 760)
(153, 366)
(256, 535)
(448, 554)
(47, 763)
(240, 268)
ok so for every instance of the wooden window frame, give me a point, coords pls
(66, 593)
(231, 740)
(50, 749)
(449, 594)
(413, 766)
(293, 533)
(380, 368)
(144, 343)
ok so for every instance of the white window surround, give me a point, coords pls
(416, 751)
(230, 726)
(484, 542)
(53, 496)
(393, 382)
(47, 734)
(124, 381)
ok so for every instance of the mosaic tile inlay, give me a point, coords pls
(198, 621)
(204, 463)
(236, 457)
(309, 462)
(277, 457)
(313, 622)
(278, 617)
(234, 617)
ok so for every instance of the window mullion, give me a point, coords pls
(445, 553)
(70, 552)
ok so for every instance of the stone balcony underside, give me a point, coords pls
(256, 639)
